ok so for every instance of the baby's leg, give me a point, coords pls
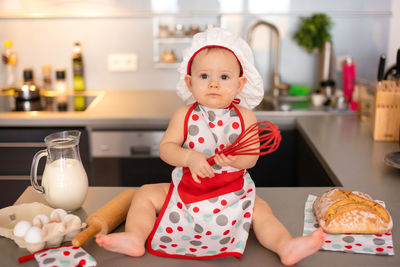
(146, 203)
(272, 235)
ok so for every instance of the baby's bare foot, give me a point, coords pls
(125, 243)
(301, 247)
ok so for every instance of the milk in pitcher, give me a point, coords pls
(65, 183)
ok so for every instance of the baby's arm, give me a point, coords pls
(244, 161)
(171, 150)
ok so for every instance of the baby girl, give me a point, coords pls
(207, 211)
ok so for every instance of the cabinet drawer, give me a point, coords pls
(18, 145)
(122, 144)
(28, 134)
(18, 160)
(10, 190)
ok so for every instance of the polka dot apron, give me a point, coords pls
(211, 219)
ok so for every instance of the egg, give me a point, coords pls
(58, 215)
(33, 235)
(40, 220)
(21, 228)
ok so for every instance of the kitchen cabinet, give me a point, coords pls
(130, 158)
(18, 145)
(127, 157)
(10, 189)
(292, 164)
(130, 171)
(309, 169)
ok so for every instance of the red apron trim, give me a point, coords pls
(225, 254)
(240, 116)
(185, 125)
(236, 101)
(221, 184)
(31, 256)
(158, 221)
(163, 254)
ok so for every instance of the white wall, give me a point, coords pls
(362, 28)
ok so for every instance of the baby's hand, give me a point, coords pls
(198, 166)
(223, 160)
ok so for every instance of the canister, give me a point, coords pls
(349, 78)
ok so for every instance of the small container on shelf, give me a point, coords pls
(193, 29)
(168, 56)
(179, 30)
(163, 31)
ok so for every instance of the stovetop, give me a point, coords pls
(46, 102)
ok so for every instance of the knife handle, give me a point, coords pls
(381, 67)
(398, 66)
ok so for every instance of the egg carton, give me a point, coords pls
(36, 226)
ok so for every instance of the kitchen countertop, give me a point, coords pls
(287, 204)
(138, 108)
(134, 109)
(341, 142)
(345, 147)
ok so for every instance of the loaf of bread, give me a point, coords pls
(341, 211)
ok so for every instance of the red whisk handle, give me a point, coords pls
(211, 160)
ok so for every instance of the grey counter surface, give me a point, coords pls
(287, 203)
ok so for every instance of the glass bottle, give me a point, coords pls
(9, 60)
(46, 76)
(78, 76)
(61, 87)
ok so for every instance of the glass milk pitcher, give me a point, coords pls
(64, 181)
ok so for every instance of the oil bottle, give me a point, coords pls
(78, 77)
(9, 60)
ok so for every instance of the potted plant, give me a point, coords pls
(313, 32)
(313, 35)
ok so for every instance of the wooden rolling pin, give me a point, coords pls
(107, 218)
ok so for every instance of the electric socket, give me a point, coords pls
(122, 62)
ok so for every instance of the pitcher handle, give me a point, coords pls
(34, 166)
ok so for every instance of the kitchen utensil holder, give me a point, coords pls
(386, 115)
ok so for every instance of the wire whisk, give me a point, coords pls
(260, 138)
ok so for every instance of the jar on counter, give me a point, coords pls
(46, 76)
(61, 87)
(28, 95)
(328, 88)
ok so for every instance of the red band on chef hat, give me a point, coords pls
(208, 46)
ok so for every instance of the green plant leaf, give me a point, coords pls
(313, 31)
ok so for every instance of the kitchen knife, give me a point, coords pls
(381, 67)
(398, 67)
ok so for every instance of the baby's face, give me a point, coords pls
(215, 78)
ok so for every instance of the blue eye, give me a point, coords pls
(203, 76)
(224, 77)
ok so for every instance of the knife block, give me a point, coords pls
(386, 115)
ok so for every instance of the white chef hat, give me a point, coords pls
(253, 91)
